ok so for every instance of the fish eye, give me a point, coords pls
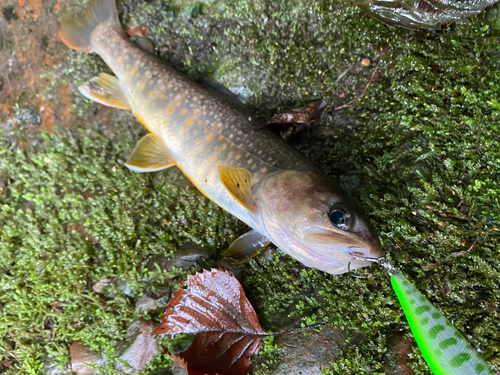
(340, 216)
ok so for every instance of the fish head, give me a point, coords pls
(310, 218)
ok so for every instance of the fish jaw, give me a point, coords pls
(293, 208)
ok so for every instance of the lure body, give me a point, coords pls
(444, 348)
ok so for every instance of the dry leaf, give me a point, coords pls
(212, 305)
(295, 120)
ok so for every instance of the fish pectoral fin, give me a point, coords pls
(106, 90)
(246, 246)
(238, 181)
(151, 154)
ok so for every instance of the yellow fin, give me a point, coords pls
(238, 181)
(151, 154)
(246, 246)
(106, 90)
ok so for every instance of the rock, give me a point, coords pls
(307, 353)
(184, 257)
(100, 285)
(146, 303)
(143, 349)
(81, 356)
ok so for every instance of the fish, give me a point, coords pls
(444, 348)
(240, 166)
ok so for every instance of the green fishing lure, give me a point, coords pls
(444, 348)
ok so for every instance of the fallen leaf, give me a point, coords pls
(295, 120)
(212, 305)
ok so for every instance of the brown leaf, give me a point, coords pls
(297, 119)
(212, 305)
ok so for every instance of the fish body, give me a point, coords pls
(444, 348)
(242, 168)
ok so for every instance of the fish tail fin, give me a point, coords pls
(76, 31)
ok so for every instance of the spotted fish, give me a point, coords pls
(246, 170)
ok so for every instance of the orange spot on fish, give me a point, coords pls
(162, 96)
(197, 141)
(224, 147)
(230, 154)
(216, 148)
(127, 66)
(183, 112)
(195, 132)
(150, 83)
(170, 109)
(139, 30)
(212, 158)
(238, 157)
(205, 130)
(199, 123)
(190, 122)
(207, 150)
(137, 75)
(263, 170)
(209, 138)
(151, 93)
(133, 71)
(231, 145)
(221, 137)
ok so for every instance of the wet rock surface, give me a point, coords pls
(83, 360)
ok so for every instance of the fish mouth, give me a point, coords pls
(322, 237)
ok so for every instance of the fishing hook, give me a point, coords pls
(379, 260)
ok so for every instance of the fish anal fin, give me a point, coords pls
(106, 90)
(246, 246)
(238, 181)
(151, 154)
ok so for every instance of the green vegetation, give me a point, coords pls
(420, 153)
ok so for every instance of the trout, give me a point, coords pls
(244, 169)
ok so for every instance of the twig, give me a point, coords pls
(297, 330)
(356, 98)
(459, 253)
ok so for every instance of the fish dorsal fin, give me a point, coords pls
(246, 246)
(238, 181)
(151, 154)
(106, 90)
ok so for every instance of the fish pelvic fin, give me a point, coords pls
(150, 155)
(76, 31)
(106, 90)
(246, 246)
(238, 181)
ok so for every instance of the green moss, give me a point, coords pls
(72, 214)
